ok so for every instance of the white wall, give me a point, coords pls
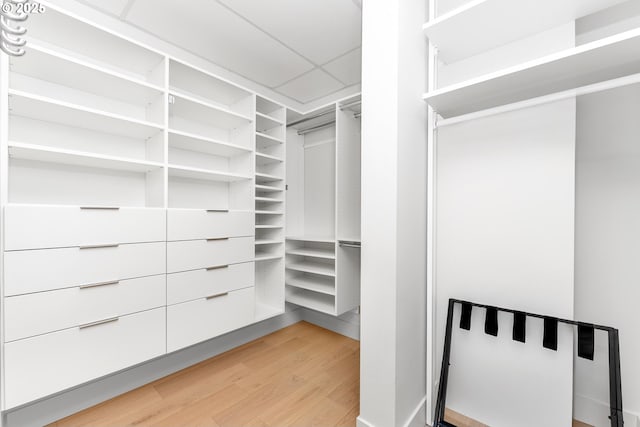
(608, 243)
(392, 383)
(504, 237)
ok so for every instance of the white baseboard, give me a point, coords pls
(70, 401)
(348, 324)
(415, 419)
(596, 413)
(361, 422)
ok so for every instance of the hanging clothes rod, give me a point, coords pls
(351, 104)
(306, 119)
(312, 129)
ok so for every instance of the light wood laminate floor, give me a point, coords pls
(299, 376)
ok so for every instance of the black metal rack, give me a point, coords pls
(585, 350)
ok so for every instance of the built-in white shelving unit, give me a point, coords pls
(269, 205)
(323, 206)
(144, 206)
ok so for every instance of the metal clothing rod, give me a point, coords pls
(351, 104)
(306, 119)
(349, 244)
(322, 126)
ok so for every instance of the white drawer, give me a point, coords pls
(32, 227)
(190, 224)
(39, 366)
(47, 269)
(43, 312)
(199, 320)
(194, 284)
(196, 254)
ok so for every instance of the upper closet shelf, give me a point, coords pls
(47, 64)
(204, 174)
(595, 62)
(194, 108)
(268, 139)
(202, 144)
(47, 109)
(265, 122)
(518, 19)
(78, 158)
(315, 239)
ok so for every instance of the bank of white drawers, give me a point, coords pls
(91, 291)
(42, 365)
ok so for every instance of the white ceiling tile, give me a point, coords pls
(114, 7)
(347, 68)
(217, 34)
(319, 30)
(310, 86)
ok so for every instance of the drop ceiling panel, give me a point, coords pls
(212, 31)
(310, 86)
(319, 30)
(115, 7)
(347, 68)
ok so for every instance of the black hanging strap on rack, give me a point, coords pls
(519, 326)
(585, 350)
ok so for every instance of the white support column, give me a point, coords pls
(394, 215)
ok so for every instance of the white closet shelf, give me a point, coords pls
(263, 212)
(193, 108)
(523, 18)
(602, 60)
(183, 75)
(265, 159)
(312, 267)
(315, 239)
(268, 107)
(268, 242)
(314, 301)
(312, 252)
(202, 144)
(265, 177)
(267, 257)
(51, 110)
(265, 122)
(49, 65)
(268, 227)
(40, 153)
(268, 200)
(268, 139)
(268, 188)
(264, 312)
(316, 284)
(204, 174)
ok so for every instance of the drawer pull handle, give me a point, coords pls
(97, 285)
(217, 296)
(217, 210)
(99, 208)
(216, 239)
(100, 246)
(217, 267)
(99, 322)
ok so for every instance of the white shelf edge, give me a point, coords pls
(310, 253)
(259, 258)
(268, 200)
(269, 157)
(307, 267)
(77, 107)
(313, 239)
(267, 227)
(205, 172)
(209, 140)
(300, 284)
(268, 242)
(529, 65)
(84, 154)
(188, 97)
(272, 138)
(262, 212)
(34, 45)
